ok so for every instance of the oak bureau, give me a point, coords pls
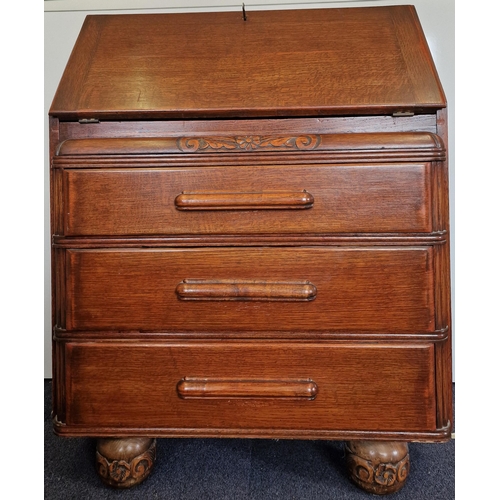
(250, 235)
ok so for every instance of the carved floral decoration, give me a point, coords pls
(123, 474)
(248, 143)
(379, 478)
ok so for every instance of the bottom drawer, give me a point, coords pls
(242, 388)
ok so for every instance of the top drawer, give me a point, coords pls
(140, 187)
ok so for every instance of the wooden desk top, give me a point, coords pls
(320, 62)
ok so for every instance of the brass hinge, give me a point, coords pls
(88, 120)
(403, 113)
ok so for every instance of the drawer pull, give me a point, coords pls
(193, 289)
(270, 200)
(206, 388)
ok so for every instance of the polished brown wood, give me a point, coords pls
(347, 146)
(378, 467)
(194, 388)
(261, 290)
(277, 63)
(213, 127)
(377, 290)
(263, 200)
(144, 377)
(122, 463)
(250, 235)
(367, 198)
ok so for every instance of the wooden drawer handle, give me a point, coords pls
(192, 289)
(270, 200)
(206, 388)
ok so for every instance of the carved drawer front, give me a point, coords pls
(248, 200)
(227, 388)
(304, 289)
(241, 185)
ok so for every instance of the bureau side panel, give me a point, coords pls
(55, 192)
(443, 304)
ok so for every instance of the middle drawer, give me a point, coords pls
(304, 289)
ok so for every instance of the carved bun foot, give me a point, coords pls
(379, 467)
(123, 463)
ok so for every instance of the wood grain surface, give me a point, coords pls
(250, 228)
(347, 198)
(359, 387)
(376, 290)
(277, 63)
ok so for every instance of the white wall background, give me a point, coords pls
(63, 20)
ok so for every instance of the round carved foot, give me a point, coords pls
(123, 463)
(379, 467)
